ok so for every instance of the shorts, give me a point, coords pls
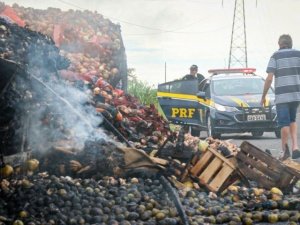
(286, 113)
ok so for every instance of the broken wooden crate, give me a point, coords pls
(265, 170)
(213, 170)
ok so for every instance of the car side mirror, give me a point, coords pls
(201, 94)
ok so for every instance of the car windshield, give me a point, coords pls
(238, 86)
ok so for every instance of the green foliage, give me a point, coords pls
(145, 92)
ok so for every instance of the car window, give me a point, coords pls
(238, 86)
(180, 86)
(164, 87)
(203, 84)
(207, 90)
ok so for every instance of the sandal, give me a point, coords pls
(286, 153)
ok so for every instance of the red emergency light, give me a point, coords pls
(232, 70)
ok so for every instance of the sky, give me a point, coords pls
(163, 38)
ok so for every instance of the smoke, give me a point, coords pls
(55, 110)
(61, 112)
(46, 109)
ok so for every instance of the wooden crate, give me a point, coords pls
(213, 171)
(265, 170)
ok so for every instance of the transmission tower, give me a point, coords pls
(238, 44)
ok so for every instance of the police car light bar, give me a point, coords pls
(234, 70)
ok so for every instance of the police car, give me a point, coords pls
(226, 102)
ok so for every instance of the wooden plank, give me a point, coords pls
(273, 163)
(236, 175)
(201, 163)
(220, 156)
(285, 180)
(221, 177)
(160, 161)
(195, 158)
(210, 170)
(260, 179)
(292, 164)
(233, 161)
(259, 166)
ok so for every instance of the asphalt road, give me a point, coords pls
(267, 141)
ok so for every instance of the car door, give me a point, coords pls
(204, 100)
(179, 102)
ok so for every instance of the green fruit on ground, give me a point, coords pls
(284, 204)
(199, 220)
(23, 214)
(273, 218)
(6, 171)
(62, 192)
(18, 222)
(294, 218)
(284, 216)
(32, 164)
(257, 216)
(149, 206)
(273, 204)
(200, 209)
(191, 194)
(292, 223)
(155, 211)
(247, 221)
(236, 219)
(160, 216)
(173, 212)
(233, 223)
(246, 215)
(210, 219)
(203, 145)
(275, 190)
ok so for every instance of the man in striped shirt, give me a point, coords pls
(284, 65)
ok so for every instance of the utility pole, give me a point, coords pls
(165, 72)
(238, 44)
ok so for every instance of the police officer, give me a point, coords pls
(193, 74)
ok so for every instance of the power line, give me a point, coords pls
(158, 33)
(176, 30)
(126, 22)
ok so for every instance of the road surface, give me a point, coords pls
(267, 141)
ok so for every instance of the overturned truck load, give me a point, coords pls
(92, 44)
(22, 51)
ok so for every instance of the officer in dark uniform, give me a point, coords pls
(193, 74)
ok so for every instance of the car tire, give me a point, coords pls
(210, 129)
(257, 133)
(278, 133)
(195, 131)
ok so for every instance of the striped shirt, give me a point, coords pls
(285, 65)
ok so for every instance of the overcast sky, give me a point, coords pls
(185, 32)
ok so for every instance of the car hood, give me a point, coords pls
(243, 100)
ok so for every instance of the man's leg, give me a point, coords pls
(284, 141)
(283, 117)
(293, 132)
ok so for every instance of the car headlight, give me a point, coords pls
(224, 108)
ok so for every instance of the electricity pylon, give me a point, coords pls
(238, 44)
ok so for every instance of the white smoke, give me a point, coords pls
(57, 111)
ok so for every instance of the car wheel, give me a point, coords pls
(278, 133)
(257, 133)
(210, 129)
(195, 131)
